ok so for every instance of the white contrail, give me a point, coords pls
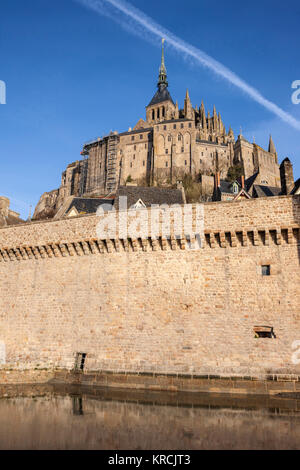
(137, 22)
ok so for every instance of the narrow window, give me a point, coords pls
(158, 113)
(143, 162)
(135, 147)
(266, 270)
(79, 361)
(185, 162)
(165, 128)
(166, 164)
(264, 332)
(163, 111)
(235, 188)
(182, 126)
(141, 136)
(190, 124)
(182, 149)
(179, 137)
(132, 137)
(167, 150)
(169, 138)
(153, 115)
(174, 126)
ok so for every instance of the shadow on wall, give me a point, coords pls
(296, 212)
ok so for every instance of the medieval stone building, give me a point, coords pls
(160, 150)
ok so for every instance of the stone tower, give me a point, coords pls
(286, 176)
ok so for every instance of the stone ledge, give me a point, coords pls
(87, 247)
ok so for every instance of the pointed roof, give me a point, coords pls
(162, 93)
(187, 96)
(272, 148)
(162, 78)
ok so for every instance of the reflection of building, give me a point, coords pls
(170, 143)
(77, 406)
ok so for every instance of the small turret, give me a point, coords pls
(176, 112)
(286, 176)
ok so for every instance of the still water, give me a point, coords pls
(68, 418)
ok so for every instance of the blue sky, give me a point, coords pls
(72, 75)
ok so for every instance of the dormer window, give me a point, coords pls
(235, 188)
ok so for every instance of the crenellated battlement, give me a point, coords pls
(244, 223)
(233, 239)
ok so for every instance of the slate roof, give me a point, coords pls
(296, 187)
(227, 187)
(161, 95)
(149, 195)
(266, 191)
(89, 205)
(250, 181)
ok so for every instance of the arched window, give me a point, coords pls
(153, 114)
(163, 111)
(158, 113)
(179, 136)
(235, 188)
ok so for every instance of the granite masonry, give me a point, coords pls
(152, 305)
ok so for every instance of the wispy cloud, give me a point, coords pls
(136, 22)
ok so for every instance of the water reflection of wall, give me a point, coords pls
(50, 423)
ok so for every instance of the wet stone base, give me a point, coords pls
(278, 384)
(279, 404)
(272, 385)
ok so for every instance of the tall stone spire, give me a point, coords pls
(162, 95)
(215, 119)
(272, 148)
(162, 78)
(188, 109)
(203, 116)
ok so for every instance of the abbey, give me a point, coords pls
(160, 150)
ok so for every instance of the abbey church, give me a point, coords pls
(170, 143)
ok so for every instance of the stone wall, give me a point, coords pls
(153, 305)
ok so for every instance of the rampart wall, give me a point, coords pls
(153, 304)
